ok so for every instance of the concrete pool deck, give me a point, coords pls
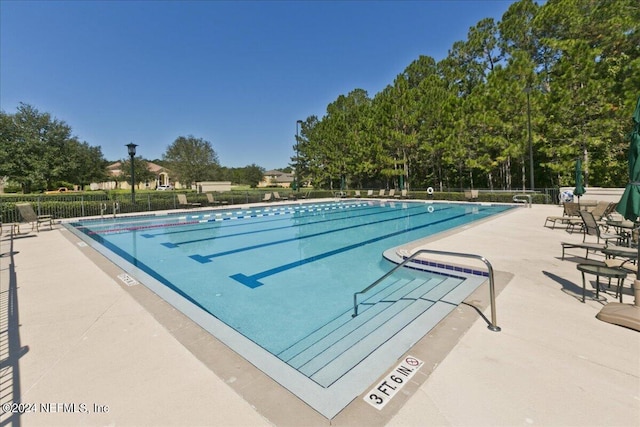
(91, 350)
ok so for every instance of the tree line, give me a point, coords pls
(512, 106)
(39, 152)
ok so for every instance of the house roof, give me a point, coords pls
(279, 176)
(116, 168)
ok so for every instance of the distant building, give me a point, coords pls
(114, 170)
(274, 178)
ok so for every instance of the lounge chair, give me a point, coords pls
(357, 194)
(392, 192)
(571, 212)
(381, 193)
(598, 213)
(29, 216)
(267, 197)
(212, 200)
(402, 195)
(369, 193)
(182, 201)
(13, 227)
(470, 194)
(276, 196)
(591, 228)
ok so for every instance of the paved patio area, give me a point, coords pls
(79, 347)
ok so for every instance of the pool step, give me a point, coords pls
(369, 307)
(333, 350)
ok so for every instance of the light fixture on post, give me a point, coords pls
(296, 176)
(131, 147)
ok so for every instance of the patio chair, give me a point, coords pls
(267, 197)
(12, 227)
(212, 200)
(369, 193)
(403, 195)
(381, 193)
(29, 216)
(608, 214)
(183, 202)
(591, 228)
(470, 194)
(570, 212)
(598, 213)
(392, 192)
(276, 196)
(357, 194)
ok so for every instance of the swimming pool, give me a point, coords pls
(283, 277)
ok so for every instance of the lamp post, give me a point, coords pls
(131, 147)
(296, 176)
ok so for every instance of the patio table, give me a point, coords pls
(600, 270)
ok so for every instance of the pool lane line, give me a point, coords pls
(196, 219)
(314, 212)
(201, 218)
(172, 245)
(253, 281)
(207, 258)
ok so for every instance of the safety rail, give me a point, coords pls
(492, 293)
(518, 199)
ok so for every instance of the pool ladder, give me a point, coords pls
(103, 209)
(492, 293)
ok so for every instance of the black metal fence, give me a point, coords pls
(104, 204)
(109, 203)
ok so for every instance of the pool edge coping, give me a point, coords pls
(150, 302)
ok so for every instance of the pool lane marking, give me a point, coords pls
(253, 281)
(196, 219)
(207, 258)
(219, 216)
(261, 215)
(172, 245)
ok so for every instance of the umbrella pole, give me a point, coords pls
(638, 257)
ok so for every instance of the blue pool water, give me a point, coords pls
(275, 274)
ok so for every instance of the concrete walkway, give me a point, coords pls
(78, 349)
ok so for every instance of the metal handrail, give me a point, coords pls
(492, 293)
(517, 198)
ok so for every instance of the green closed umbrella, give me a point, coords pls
(628, 315)
(629, 205)
(579, 190)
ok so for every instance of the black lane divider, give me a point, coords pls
(304, 213)
(190, 219)
(253, 281)
(207, 258)
(205, 239)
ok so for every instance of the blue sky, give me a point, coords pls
(237, 74)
